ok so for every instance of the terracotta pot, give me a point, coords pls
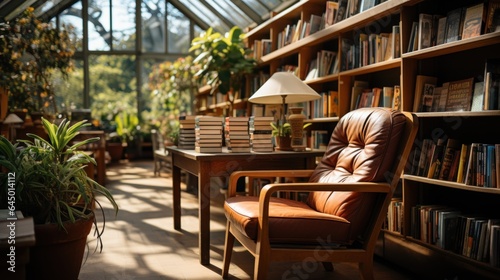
(115, 151)
(58, 254)
(283, 143)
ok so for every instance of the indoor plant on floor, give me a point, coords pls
(51, 186)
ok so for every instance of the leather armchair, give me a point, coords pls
(348, 197)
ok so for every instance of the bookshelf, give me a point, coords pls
(455, 60)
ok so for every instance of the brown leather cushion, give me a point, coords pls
(361, 149)
(289, 221)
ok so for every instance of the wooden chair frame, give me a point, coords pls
(264, 252)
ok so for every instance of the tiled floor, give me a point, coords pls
(140, 242)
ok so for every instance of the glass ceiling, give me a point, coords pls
(220, 14)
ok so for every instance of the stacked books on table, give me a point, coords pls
(261, 133)
(186, 132)
(237, 136)
(208, 132)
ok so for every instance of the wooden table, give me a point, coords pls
(205, 166)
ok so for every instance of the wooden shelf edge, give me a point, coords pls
(454, 114)
(450, 184)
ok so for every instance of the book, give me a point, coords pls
(396, 101)
(473, 21)
(497, 164)
(478, 97)
(491, 85)
(333, 103)
(492, 22)
(436, 159)
(424, 158)
(396, 42)
(425, 27)
(330, 12)
(462, 165)
(387, 96)
(357, 89)
(422, 83)
(441, 31)
(413, 37)
(460, 95)
(452, 145)
(342, 11)
(453, 23)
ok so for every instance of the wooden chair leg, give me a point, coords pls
(261, 265)
(366, 269)
(228, 251)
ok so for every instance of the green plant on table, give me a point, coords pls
(284, 130)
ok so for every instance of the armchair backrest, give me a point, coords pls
(364, 147)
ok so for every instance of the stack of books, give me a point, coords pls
(237, 134)
(261, 133)
(208, 132)
(186, 132)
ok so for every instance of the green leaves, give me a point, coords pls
(223, 59)
(51, 182)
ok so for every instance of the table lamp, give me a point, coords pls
(10, 121)
(285, 87)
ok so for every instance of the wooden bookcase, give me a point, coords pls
(450, 61)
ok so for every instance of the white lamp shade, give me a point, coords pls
(283, 84)
(12, 119)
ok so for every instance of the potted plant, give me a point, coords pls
(30, 52)
(224, 61)
(127, 130)
(283, 135)
(51, 186)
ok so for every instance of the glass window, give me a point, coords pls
(99, 26)
(206, 15)
(112, 86)
(153, 26)
(178, 26)
(123, 15)
(257, 7)
(73, 17)
(69, 92)
(231, 12)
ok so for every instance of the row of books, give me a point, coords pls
(448, 228)
(474, 164)
(261, 133)
(458, 24)
(335, 11)
(208, 133)
(186, 132)
(319, 140)
(459, 95)
(366, 49)
(326, 63)
(237, 135)
(326, 106)
(364, 96)
(394, 221)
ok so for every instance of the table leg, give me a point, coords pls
(176, 192)
(204, 212)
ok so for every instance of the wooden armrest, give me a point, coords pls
(233, 179)
(268, 190)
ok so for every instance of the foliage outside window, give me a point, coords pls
(172, 86)
(30, 51)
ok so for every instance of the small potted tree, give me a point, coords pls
(51, 186)
(224, 61)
